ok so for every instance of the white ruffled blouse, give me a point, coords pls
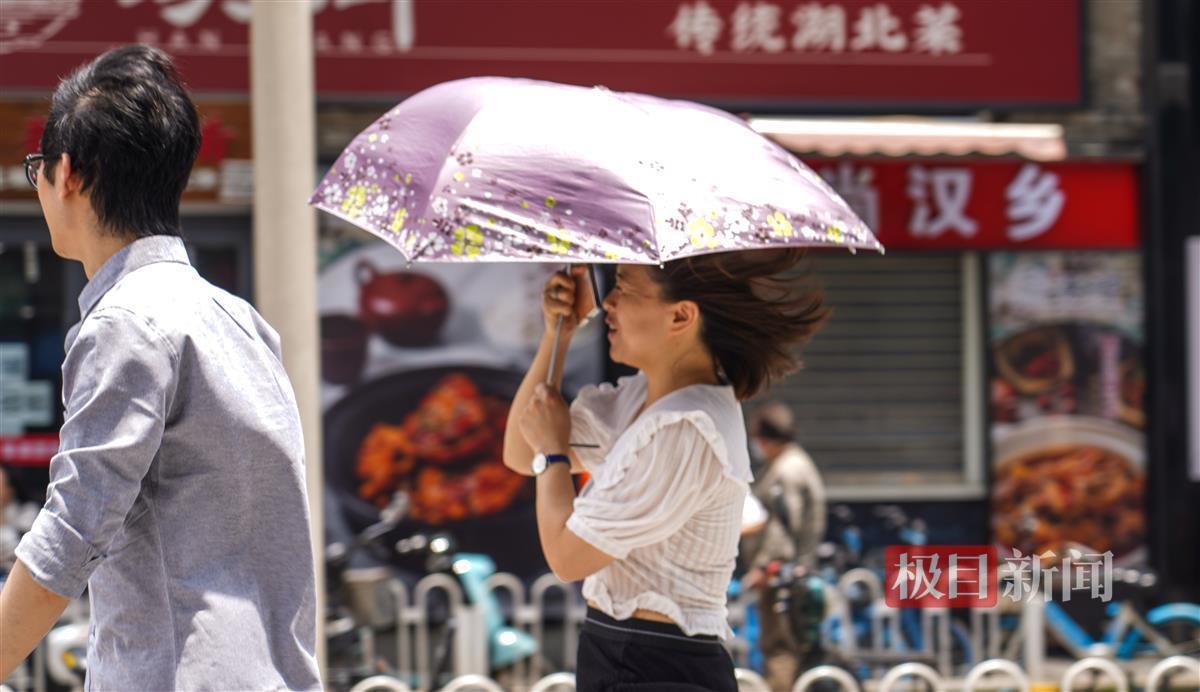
(665, 498)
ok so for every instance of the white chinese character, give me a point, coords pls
(924, 577)
(381, 42)
(178, 41)
(819, 27)
(697, 24)
(1087, 571)
(185, 14)
(210, 40)
(1034, 202)
(937, 29)
(237, 10)
(322, 43)
(351, 42)
(148, 36)
(980, 568)
(856, 185)
(877, 26)
(756, 27)
(951, 191)
(1019, 576)
(1024, 577)
(180, 14)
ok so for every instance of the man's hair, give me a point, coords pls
(132, 133)
(773, 420)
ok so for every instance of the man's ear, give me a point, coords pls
(68, 179)
(684, 316)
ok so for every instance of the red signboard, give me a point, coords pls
(922, 54)
(955, 204)
(28, 449)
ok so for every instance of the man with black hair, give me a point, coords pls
(790, 489)
(177, 496)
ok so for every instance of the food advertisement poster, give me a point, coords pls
(419, 364)
(1067, 415)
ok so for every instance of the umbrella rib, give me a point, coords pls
(421, 250)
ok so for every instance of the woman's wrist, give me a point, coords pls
(547, 342)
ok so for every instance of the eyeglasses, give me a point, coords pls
(33, 163)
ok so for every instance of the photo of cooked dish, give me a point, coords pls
(1073, 493)
(446, 454)
(1036, 360)
(1068, 369)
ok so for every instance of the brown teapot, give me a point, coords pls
(407, 309)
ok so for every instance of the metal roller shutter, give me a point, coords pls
(888, 402)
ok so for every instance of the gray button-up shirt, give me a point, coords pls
(178, 492)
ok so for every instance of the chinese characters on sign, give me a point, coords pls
(186, 33)
(768, 27)
(919, 54)
(957, 204)
(969, 576)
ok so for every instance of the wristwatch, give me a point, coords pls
(541, 462)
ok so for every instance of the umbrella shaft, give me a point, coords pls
(554, 351)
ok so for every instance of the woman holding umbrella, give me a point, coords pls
(654, 534)
(701, 215)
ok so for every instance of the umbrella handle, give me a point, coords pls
(554, 351)
(558, 326)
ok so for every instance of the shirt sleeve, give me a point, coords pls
(660, 486)
(592, 414)
(118, 383)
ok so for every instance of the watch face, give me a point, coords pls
(539, 464)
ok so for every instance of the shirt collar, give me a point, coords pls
(134, 256)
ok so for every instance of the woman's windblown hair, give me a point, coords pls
(756, 309)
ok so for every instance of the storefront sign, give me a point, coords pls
(30, 449)
(954, 204)
(815, 53)
(222, 172)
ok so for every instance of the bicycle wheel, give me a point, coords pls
(1180, 624)
(1167, 630)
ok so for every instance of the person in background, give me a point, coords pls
(177, 496)
(790, 489)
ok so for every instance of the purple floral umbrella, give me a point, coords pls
(510, 170)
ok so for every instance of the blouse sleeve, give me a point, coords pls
(593, 416)
(652, 491)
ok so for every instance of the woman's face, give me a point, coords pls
(638, 319)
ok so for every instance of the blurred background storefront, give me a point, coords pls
(1010, 371)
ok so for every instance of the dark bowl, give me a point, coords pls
(509, 536)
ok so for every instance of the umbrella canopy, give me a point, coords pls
(500, 169)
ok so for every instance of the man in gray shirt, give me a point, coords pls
(178, 492)
(791, 491)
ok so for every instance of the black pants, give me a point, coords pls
(634, 655)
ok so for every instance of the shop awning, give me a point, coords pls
(913, 137)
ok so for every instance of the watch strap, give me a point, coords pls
(557, 459)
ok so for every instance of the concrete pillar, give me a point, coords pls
(285, 231)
